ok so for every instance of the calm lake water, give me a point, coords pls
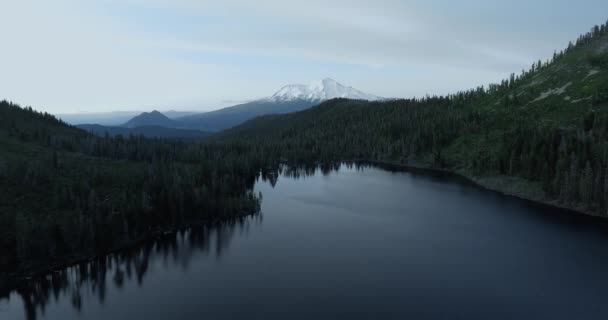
(352, 244)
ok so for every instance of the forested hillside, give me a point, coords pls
(541, 134)
(66, 194)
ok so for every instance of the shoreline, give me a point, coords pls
(477, 181)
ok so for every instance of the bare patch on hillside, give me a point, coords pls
(579, 100)
(535, 82)
(603, 48)
(591, 73)
(551, 92)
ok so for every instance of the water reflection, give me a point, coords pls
(286, 170)
(131, 265)
(272, 175)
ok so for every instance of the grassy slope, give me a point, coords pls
(557, 97)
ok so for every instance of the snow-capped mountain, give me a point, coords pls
(290, 98)
(320, 91)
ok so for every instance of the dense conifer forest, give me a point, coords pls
(67, 194)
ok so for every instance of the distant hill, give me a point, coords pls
(146, 131)
(153, 118)
(232, 116)
(173, 114)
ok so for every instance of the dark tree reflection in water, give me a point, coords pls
(94, 277)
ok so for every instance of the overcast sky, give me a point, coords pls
(89, 56)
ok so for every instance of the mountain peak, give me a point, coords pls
(149, 118)
(320, 90)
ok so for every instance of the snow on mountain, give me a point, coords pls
(319, 91)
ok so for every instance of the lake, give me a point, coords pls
(356, 243)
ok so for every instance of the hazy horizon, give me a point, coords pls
(108, 55)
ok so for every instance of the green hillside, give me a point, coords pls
(541, 134)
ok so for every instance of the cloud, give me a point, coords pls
(65, 58)
(380, 33)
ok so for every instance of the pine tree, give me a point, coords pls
(573, 178)
(586, 185)
(605, 193)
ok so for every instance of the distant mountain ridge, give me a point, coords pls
(113, 118)
(233, 116)
(290, 98)
(150, 131)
